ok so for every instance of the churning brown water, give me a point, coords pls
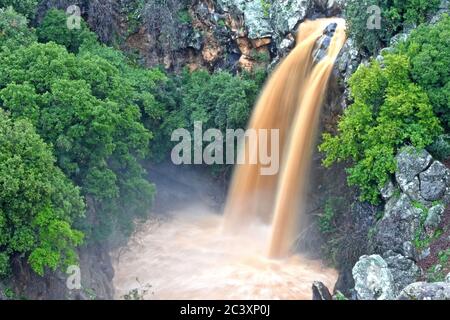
(190, 257)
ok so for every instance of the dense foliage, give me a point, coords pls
(14, 29)
(26, 8)
(395, 16)
(38, 204)
(429, 50)
(54, 28)
(389, 110)
(83, 106)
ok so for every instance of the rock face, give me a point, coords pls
(434, 181)
(373, 279)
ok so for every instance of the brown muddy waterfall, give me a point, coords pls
(246, 253)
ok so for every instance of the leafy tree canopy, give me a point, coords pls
(428, 48)
(38, 204)
(14, 30)
(85, 107)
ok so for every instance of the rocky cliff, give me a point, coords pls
(213, 34)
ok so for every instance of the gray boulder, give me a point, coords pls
(433, 181)
(410, 162)
(373, 279)
(426, 291)
(404, 270)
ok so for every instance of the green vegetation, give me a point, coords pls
(38, 204)
(54, 28)
(395, 16)
(389, 111)
(26, 8)
(219, 100)
(14, 30)
(429, 52)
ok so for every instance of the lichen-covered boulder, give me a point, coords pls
(410, 162)
(426, 291)
(404, 270)
(373, 279)
(433, 181)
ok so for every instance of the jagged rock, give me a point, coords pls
(410, 162)
(373, 279)
(434, 217)
(404, 270)
(348, 60)
(320, 291)
(398, 226)
(396, 39)
(388, 190)
(433, 181)
(324, 42)
(412, 189)
(426, 291)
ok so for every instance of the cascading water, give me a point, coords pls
(291, 102)
(189, 257)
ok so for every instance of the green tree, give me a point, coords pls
(389, 111)
(54, 28)
(38, 204)
(14, 31)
